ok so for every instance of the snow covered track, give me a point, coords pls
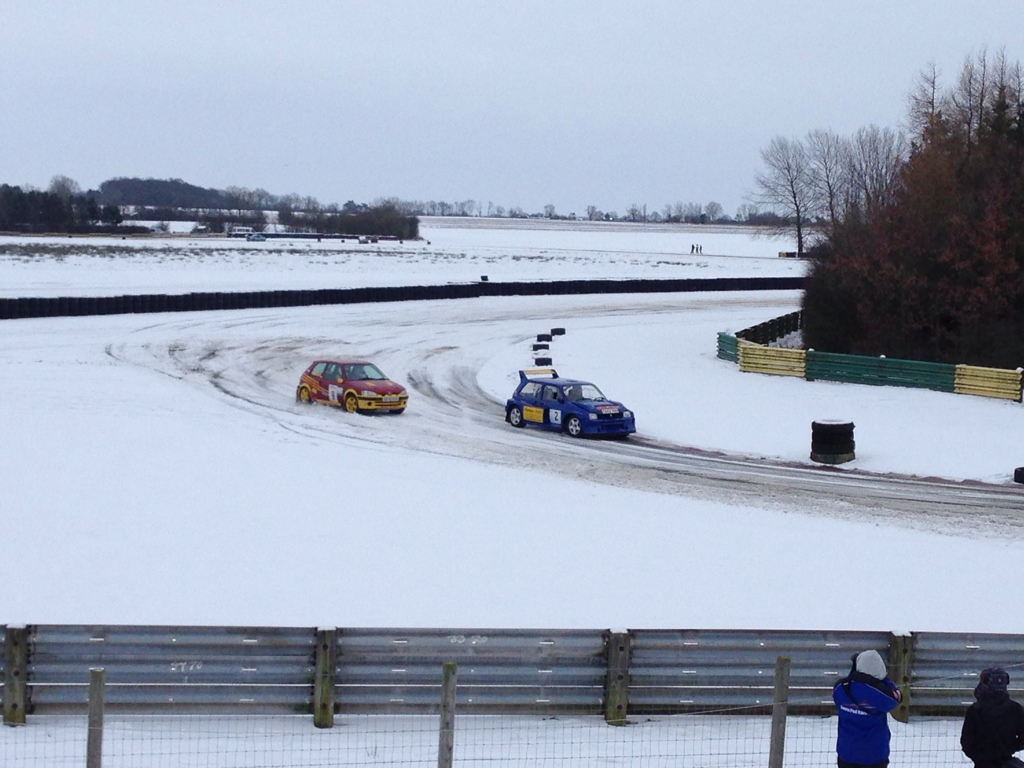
(455, 356)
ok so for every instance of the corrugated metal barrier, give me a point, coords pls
(559, 671)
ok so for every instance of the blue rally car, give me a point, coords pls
(578, 407)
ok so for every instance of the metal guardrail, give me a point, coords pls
(633, 672)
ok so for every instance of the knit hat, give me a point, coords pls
(993, 682)
(870, 663)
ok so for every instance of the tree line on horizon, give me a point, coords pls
(916, 238)
(166, 200)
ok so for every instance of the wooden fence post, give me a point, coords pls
(323, 680)
(15, 675)
(780, 707)
(618, 646)
(901, 668)
(446, 736)
(94, 743)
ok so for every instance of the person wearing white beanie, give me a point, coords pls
(863, 700)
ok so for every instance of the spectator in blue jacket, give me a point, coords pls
(994, 724)
(863, 700)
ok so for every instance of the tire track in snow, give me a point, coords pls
(254, 361)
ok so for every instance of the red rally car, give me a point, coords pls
(355, 385)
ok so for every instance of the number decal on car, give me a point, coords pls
(555, 415)
(334, 392)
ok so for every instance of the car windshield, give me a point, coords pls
(363, 372)
(583, 391)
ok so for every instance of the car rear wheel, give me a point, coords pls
(303, 396)
(515, 417)
(574, 426)
(351, 404)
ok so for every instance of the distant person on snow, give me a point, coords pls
(863, 700)
(994, 724)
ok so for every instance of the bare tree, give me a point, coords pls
(874, 161)
(746, 212)
(786, 185)
(64, 187)
(592, 213)
(924, 107)
(714, 211)
(968, 105)
(828, 156)
(549, 211)
(689, 212)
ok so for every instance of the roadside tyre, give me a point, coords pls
(303, 396)
(574, 426)
(542, 361)
(515, 417)
(351, 404)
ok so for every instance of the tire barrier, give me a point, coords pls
(771, 330)
(542, 361)
(541, 347)
(543, 337)
(1018, 475)
(69, 306)
(832, 442)
(558, 331)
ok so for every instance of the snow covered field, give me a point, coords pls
(156, 469)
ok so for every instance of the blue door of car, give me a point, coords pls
(551, 398)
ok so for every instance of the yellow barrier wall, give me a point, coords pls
(754, 358)
(988, 382)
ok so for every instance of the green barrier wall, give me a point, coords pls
(728, 347)
(883, 371)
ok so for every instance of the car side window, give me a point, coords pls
(332, 372)
(530, 389)
(550, 393)
(318, 369)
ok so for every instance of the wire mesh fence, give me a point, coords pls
(726, 738)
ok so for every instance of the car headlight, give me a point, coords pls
(593, 416)
(627, 414)
(368, 393)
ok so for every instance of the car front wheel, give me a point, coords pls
(304, 396)
(351, 404)
(515, 417)
(574, 426)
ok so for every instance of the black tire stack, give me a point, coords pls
(542, 349)
(832, 442)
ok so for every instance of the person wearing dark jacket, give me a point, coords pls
(863, 700)
(994, 724)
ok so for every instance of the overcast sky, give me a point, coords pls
(520, 103)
